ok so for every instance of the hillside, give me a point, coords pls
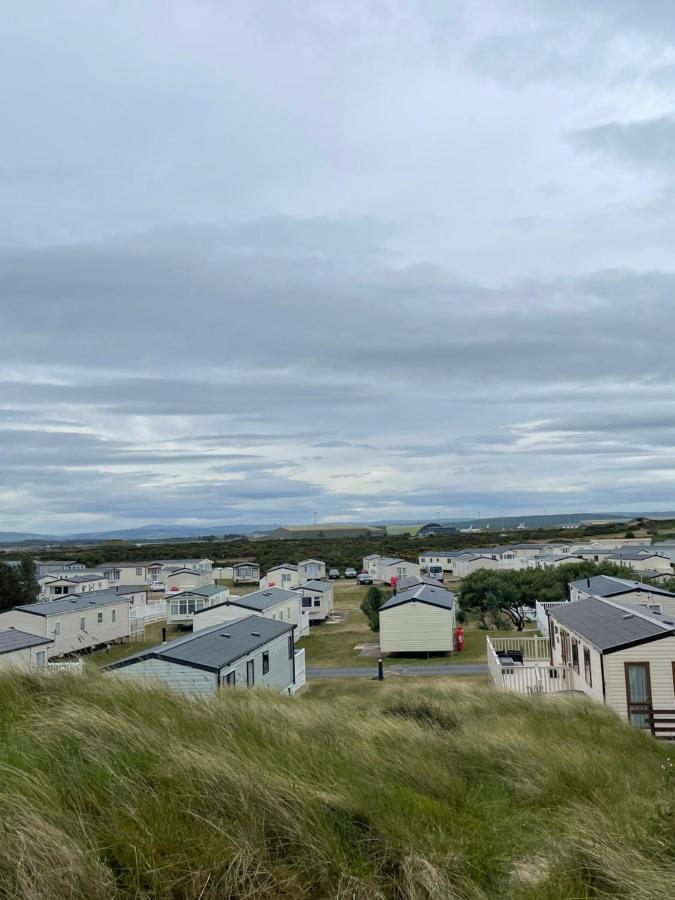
(354, 791)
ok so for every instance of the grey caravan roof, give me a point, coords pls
(214, 648)
(411, 581)
(611, 586)
(321, 587)
(610, 626)
(258, 600)
(71, 602)
(206, 590)
(13, 639)
(423, 593)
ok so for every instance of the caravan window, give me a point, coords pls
(587, 667)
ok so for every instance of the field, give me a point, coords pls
(355, 790)
(333, 645)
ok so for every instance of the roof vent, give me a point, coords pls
(628, 616)
(225, 634)
(255, 634)
(75, 601)
(668, 622)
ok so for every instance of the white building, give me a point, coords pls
(248, 652)
(271, 603)
(370, 564)
(641, 560)
(317, 599)
(391, 569)
(22, 651)
(74, 623)
(285, 575)
(246, 573)
(624, 591)
(419, 620)
(444, 558)
(182, 605)
(181, 579)
(617, 654)
(78, 582)
(45, 566)
(470, 562)
(552, 561)
(311, 569)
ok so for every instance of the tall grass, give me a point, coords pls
(108, 790)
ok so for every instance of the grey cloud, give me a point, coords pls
(646, 142)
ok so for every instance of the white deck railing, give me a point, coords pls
(149, 612)
(534, 676)
(303, 631)
(71, 667)
(532, 647)
(542, 608)
(300, 677)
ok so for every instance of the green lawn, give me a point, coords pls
(153, 636)
(333, 645)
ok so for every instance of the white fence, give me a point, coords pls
(72, 667)
(532, 648)
(542, 609)
(300, 679)
(534, 675)
(149, 612)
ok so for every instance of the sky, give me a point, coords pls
(375, 259)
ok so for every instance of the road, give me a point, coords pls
(416, 671)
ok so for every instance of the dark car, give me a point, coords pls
(334, 573)
(364, 578)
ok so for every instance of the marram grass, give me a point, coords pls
(110, 790)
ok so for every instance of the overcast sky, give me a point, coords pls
(365, 259)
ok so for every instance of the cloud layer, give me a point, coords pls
(368, 261)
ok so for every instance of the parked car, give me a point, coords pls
(364, 578)
(157, 586)
(333, 573)
(350, 573)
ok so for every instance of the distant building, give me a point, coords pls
(313, 532)
(434, 528)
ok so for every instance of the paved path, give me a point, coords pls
(416, 671)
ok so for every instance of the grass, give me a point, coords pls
(333, 645)
(397, 791)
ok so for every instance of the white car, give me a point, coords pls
(157, 586)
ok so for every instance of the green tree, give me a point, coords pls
(10, 587)
(370, 607)
(30, 588)
(511, 595)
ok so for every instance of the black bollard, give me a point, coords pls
(380, 670)
(164, 635)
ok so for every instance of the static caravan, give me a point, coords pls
(391, 569)
(470, 562)
(182, 605)
(617, 654)
(311, 569)
(623, 590)
(317, 599)
(178, 578)
(641, 560)
(246, 573)
(285, 575)
(370, 564)
(22, 651)
(46, 566)
(272, 603)
(247, 652)
(74, 623)
(419, 620)
(58, 585)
